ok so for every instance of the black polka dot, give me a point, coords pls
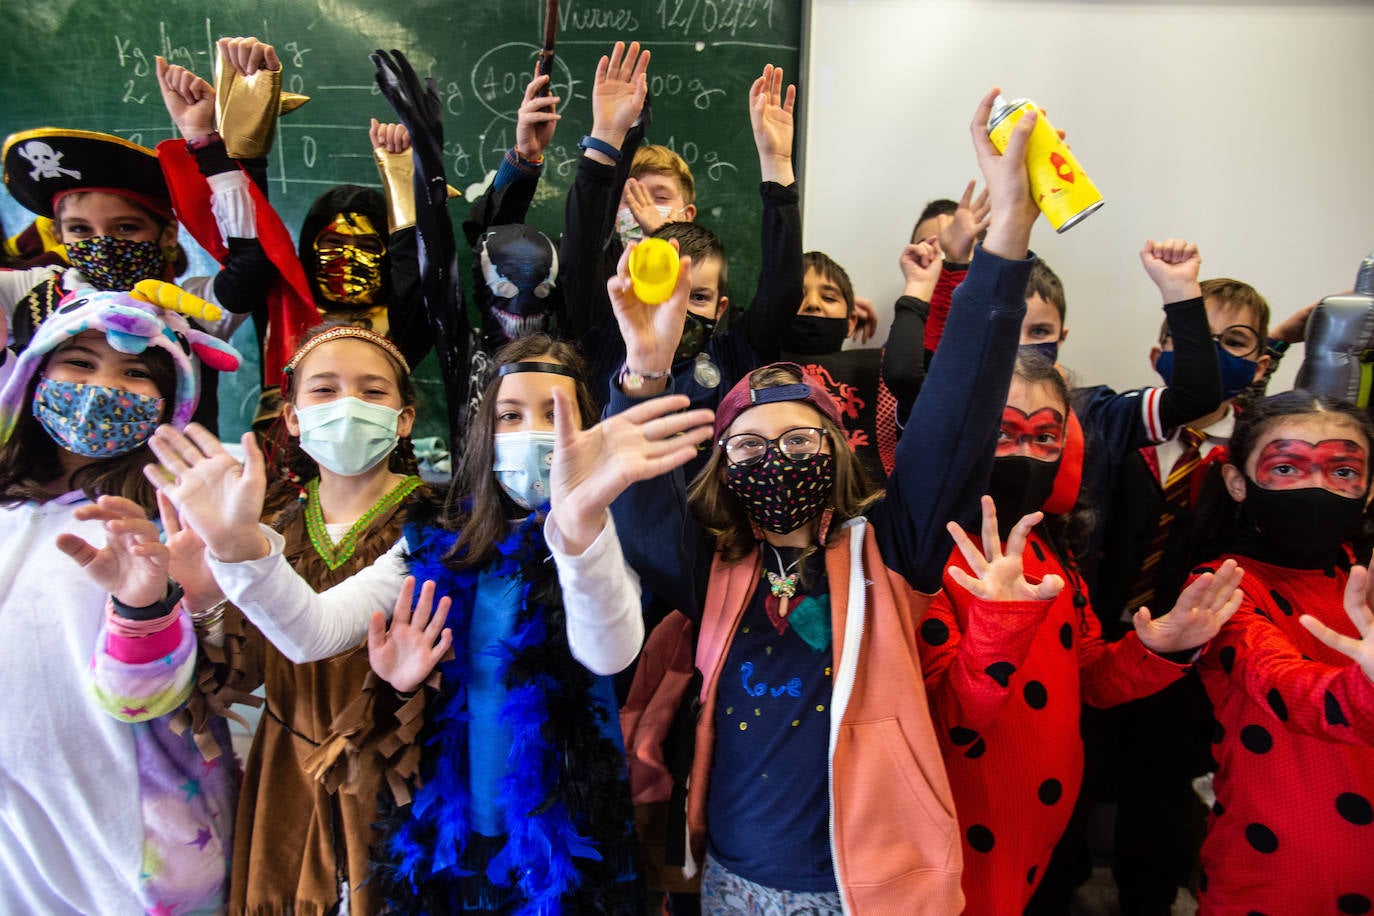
(1282, 603)
(1035, 694)
(1227, 656)
(959, 736)
(1030, 875)
(1039, 553)
(1217, 809)
(976, 750)
(1066, 636)
(1256, 739)
(1255, 913)
(1051, 790)
(1261, 838)
(1218, 731)
(1353, 903)
(980, 838)
(1334, 714)
(1276, 703)
(934, 632)
(1000, 672)
(1354, 808)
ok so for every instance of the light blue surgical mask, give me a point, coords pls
(348, 436)
(523, 464)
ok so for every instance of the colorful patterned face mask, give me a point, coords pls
(94, 421)
(116, 264)
(781, 494)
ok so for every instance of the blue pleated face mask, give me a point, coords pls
(1236, 372)
(523, 464)
(1049, 350)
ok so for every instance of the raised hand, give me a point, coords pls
(190, 100)
(651, 332)
(1012, 210)
(212, 492)
(1173, 266)
(618, 94)
(920, 266)
(187, 561)
(248, 55)
(1359, 596)
(1197, 616)
(591, 467)
(394, 138)
(407, 652)
(865, 320)
(770, 114)
(420, 109)
(641, 203)
(969, 220)
(536, 120)
(133, 564)
(1000, 574)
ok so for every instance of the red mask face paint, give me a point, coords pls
(1338, 465)
(1039, 435)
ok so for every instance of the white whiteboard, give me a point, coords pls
(1246, 127)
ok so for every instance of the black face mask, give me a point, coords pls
(814, 335)
(1020, 485)
(1303, 529)
(696, 331)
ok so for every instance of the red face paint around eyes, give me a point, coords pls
(1339, 465)
(1040, 434)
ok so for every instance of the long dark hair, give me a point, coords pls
(477, 507)
(1218, 515)
(294, 468)
(30, 462)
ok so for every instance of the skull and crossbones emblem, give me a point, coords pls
(45, 161)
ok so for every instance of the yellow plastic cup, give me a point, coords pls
(653, 270)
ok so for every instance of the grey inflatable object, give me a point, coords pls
(1339, 358)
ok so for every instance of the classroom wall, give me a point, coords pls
(1242, 126)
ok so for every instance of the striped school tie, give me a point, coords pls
(1177, 496)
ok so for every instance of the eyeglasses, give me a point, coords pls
(749, 448)
(1239, 340)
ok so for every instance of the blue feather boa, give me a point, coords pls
(563, 800)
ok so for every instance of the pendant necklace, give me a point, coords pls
(783, 583)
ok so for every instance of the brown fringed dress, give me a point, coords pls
(331, 732)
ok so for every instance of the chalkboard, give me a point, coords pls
(90, 66)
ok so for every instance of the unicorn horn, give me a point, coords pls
(173, 298)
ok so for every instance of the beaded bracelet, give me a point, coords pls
(636, 379)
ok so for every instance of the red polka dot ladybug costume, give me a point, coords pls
(1006, 682)
(1292, 830)
(1009, 656)
(1292, 689)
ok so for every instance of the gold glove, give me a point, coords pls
(247, 107)
(398, 183)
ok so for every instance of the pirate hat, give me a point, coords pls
(44, 163)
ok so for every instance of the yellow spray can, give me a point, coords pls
(1063, 191)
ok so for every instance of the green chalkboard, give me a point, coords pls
(90, 66)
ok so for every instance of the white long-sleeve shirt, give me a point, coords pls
(601, 600)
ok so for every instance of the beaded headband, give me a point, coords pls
(341, 332)
(534, 366)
